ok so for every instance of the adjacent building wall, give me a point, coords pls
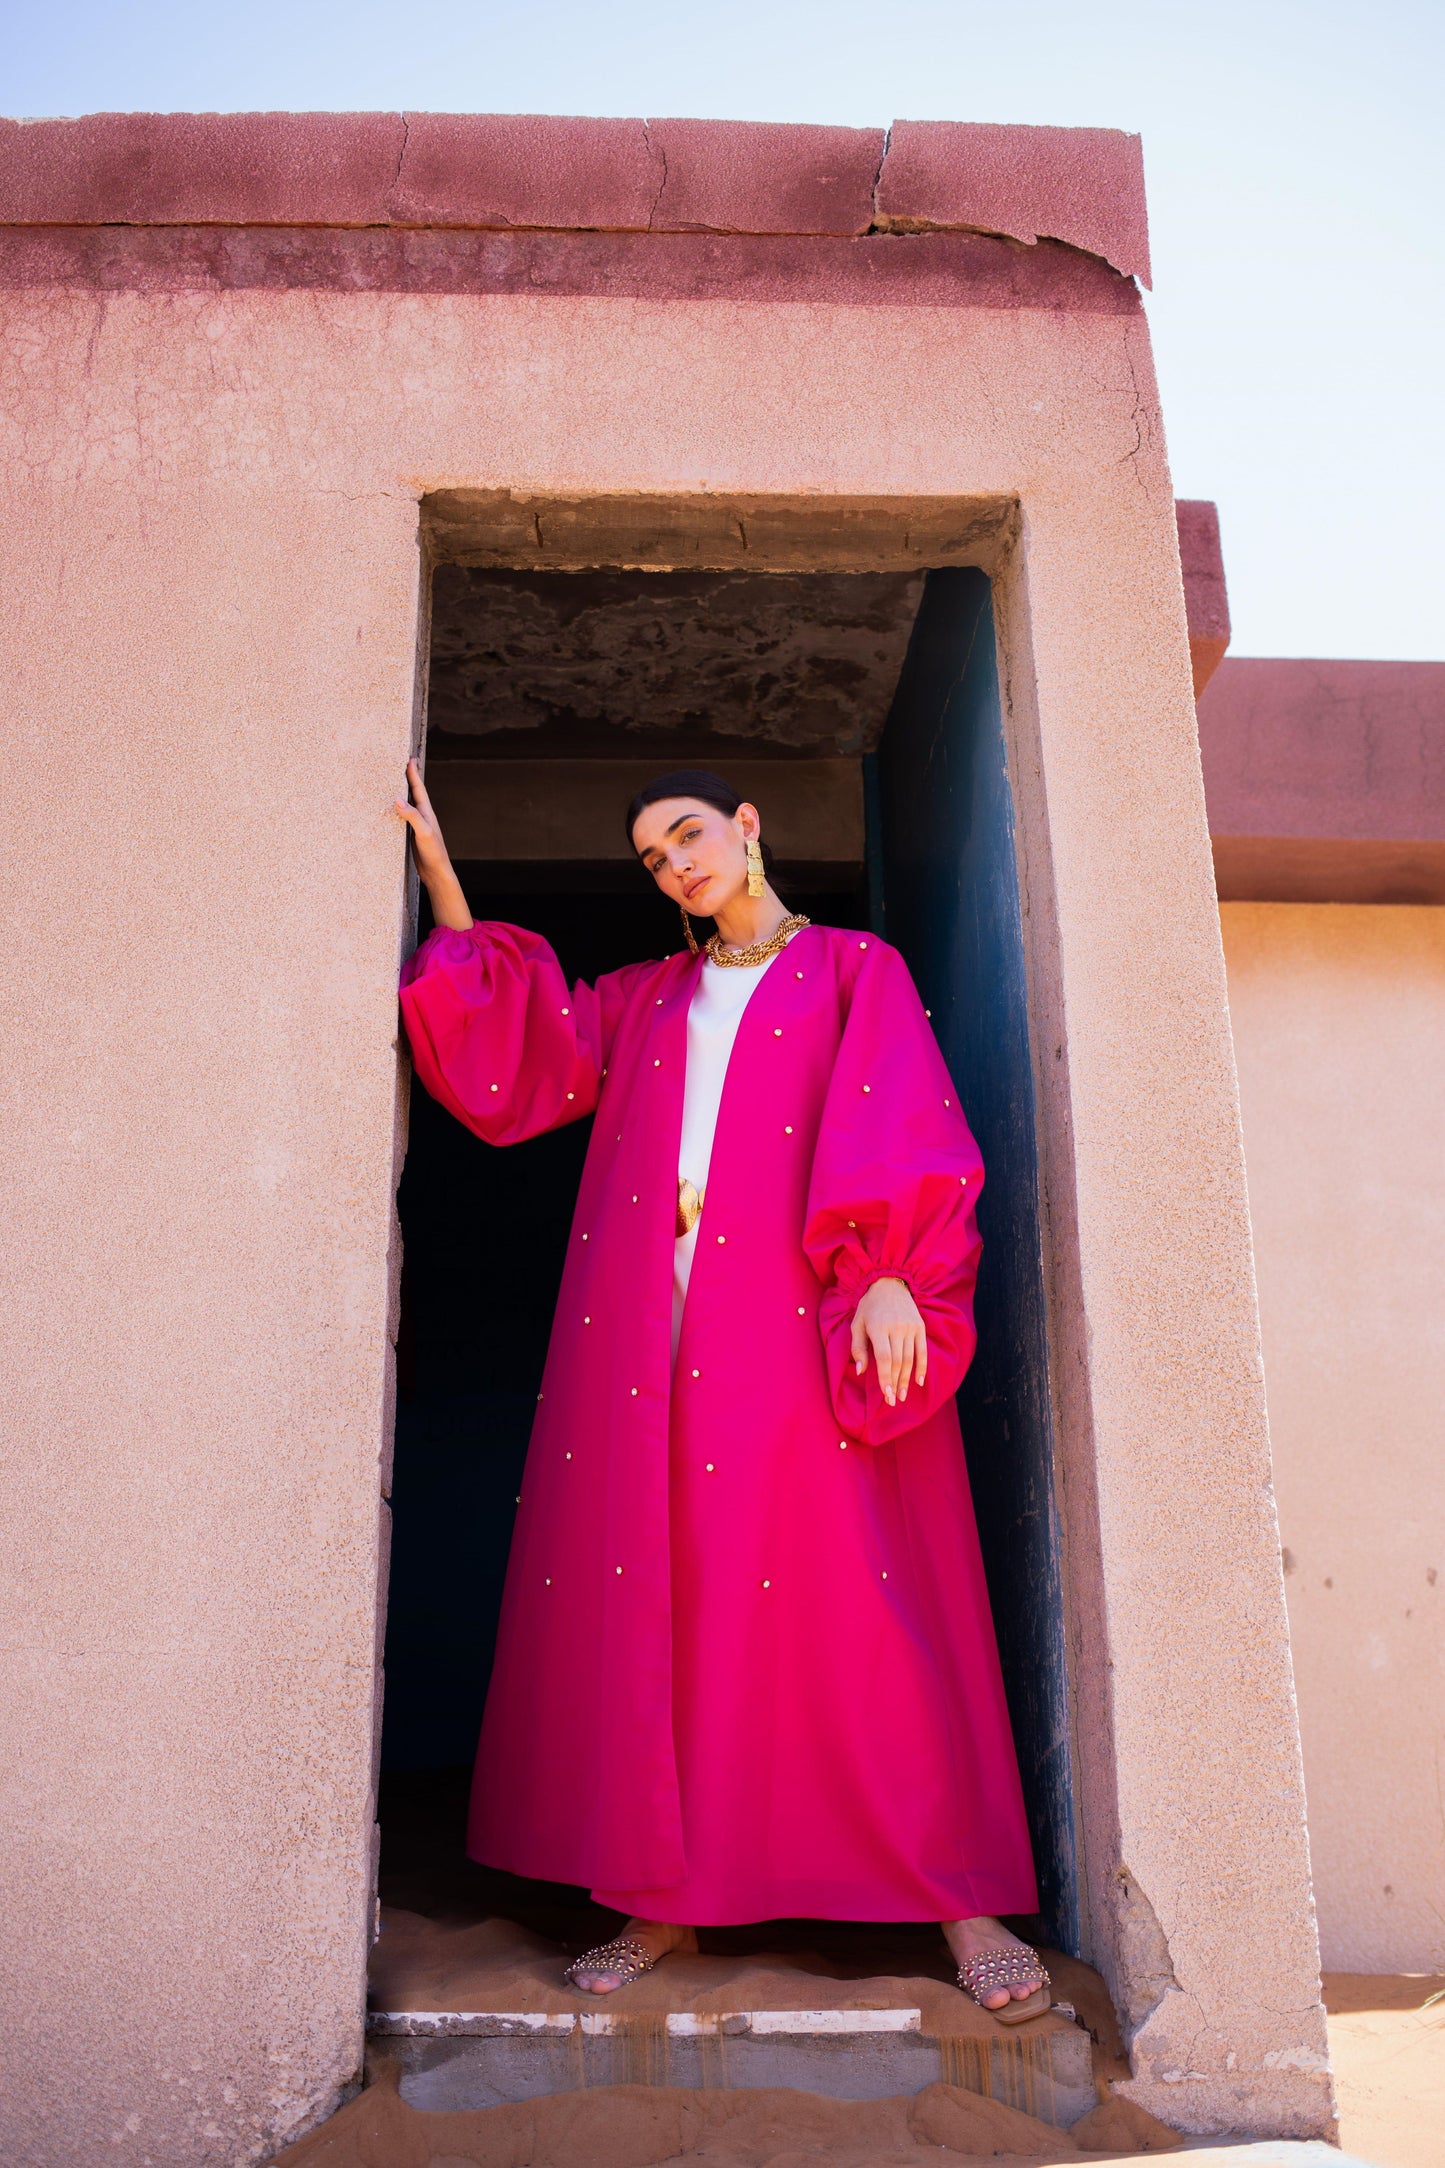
(1339, 1033)
(1326, 780)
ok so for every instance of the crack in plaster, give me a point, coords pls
(1135, 416)
(401, 154)
(1145, 1963)
(1174, 2045)
(661, 152)
(93, 336)
(878, 177)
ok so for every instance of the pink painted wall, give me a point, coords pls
(218, 439)
(1339, 1031)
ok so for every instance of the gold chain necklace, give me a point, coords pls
(743, 959)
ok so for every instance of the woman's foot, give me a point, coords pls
(657, 1939)
(970, 1938)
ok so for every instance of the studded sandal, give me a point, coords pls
(991, 1969)
(629, 1959)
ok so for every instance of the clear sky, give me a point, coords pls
(1294, 150)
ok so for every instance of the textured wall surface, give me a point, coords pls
(1339, 1026)
(210, 558)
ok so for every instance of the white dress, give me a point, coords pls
(723, 991)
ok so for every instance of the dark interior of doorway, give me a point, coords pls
(484, 1233)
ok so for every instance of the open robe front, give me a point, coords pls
(746, 1665)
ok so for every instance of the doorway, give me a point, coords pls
(861, 710)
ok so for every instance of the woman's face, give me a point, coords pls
(696, 853)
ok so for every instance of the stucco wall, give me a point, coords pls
(1339, 1029)
(211, 686)
(210, 558)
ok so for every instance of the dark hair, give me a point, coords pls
(699, 783)
(683, 783)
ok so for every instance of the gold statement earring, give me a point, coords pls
(687, 929)
(757, 876)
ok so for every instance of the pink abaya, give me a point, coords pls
(746, 1665)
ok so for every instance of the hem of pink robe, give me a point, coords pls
(987, 1893)
(981, 1896)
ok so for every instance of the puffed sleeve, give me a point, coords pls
(498, 1036)
(895, 1181)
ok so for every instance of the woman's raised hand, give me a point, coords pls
(449, 905)
(888, 1320)
(427, 842)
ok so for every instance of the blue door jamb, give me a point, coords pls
(943, 877)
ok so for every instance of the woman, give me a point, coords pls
(746, 1666)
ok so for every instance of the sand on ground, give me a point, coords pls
(425, 1963)
(1388, 2052)
(1388, 2049)
(656, 2126)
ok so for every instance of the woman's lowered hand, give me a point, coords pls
(887, 1320)
(448, 904)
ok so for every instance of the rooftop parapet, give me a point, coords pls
(1083, 187)
(1326, 780)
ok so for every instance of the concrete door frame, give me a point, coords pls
(1131, 1546)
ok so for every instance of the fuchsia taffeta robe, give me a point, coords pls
(746, 1665)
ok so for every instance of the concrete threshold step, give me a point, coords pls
(446, 2059)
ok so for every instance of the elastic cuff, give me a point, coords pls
(883, 1272)
(455, 933)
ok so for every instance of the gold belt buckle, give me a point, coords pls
(689, 1205)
